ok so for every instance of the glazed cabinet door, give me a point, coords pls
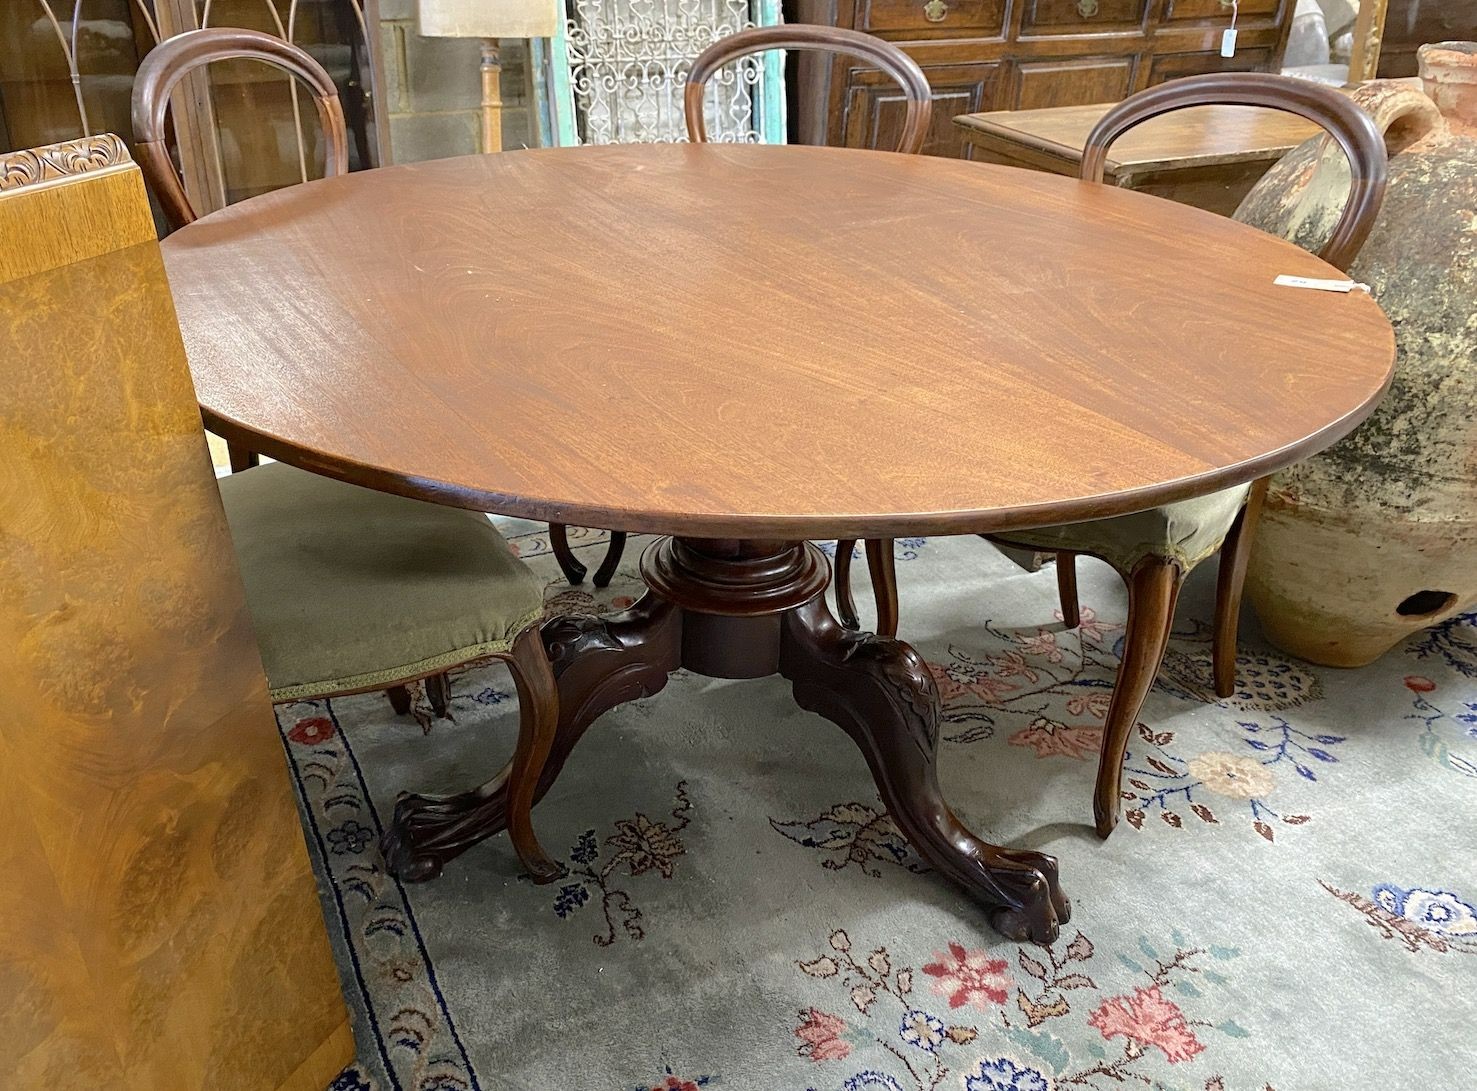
(67, 69)
(875, 107)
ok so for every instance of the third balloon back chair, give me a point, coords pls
(1155, 550)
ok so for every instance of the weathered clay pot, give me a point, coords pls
(1377, 537)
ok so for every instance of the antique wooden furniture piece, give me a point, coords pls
(1369, 33)
(1208, 156)
(986, 323)
(1154, 549)
(985, 55)
(162, 925)
(352, 589)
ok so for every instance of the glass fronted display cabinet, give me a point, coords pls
(67, 68)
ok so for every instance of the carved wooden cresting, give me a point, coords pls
(25, 168)
(162, 927)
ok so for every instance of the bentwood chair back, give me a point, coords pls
(1345, 123)
(1155, 550)
(162, 924)
(352, 590)
(823, 39)
(175, 58)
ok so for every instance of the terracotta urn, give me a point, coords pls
(1376, 537)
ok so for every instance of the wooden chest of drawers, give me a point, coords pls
(1017, 55)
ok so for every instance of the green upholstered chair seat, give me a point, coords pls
(1186, 532)
(353, 589)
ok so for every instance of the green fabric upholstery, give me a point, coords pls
(351, 589)
(1187, 532)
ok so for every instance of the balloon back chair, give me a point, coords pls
(349, 589)
(1155, 550)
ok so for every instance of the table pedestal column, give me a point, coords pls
(749, 609)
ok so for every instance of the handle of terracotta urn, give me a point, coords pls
(1402, 112)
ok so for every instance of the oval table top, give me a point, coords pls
(765, 342)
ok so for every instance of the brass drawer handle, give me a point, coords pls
(936, 11)
(1087, 8)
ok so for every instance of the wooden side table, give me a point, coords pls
(1207, 156)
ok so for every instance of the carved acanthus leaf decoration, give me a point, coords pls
(25, 168)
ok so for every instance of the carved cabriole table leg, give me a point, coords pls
(750, 609)
(879, 691)
(598, 663)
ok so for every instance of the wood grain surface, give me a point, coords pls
(1203, 136)
(765, 342)
(162, 926)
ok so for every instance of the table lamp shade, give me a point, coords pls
(487, 18)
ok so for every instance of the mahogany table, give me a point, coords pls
(747, 347)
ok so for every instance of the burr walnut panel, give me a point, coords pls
(162, 923)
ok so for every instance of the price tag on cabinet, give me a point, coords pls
(1228, 39)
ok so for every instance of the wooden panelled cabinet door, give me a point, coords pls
(876, 106)
(162, 926)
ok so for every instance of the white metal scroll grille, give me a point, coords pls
(628, 62)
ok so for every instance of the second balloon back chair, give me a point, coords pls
(1155, 550)
(884, 55)
(350, 589)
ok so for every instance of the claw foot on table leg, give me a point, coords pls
(880, 693)
(597, 663)
(428, 831)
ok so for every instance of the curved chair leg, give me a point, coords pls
(613, 551)
(1066, 587)
(438, 693)
(881, 566)
(538, 720)
(399, 700)
(1153, 588)
(573, 571)
(841, 581)
(1235, 553)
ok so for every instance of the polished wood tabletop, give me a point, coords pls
(765, 342)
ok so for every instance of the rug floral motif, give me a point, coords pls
(927, 1024)
(738, 910)
(638, 845)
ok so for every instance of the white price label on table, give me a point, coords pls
(1320, 285)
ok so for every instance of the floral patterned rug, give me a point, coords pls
(1288, 905)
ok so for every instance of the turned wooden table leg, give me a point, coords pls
(598, 663)
(879, 692)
